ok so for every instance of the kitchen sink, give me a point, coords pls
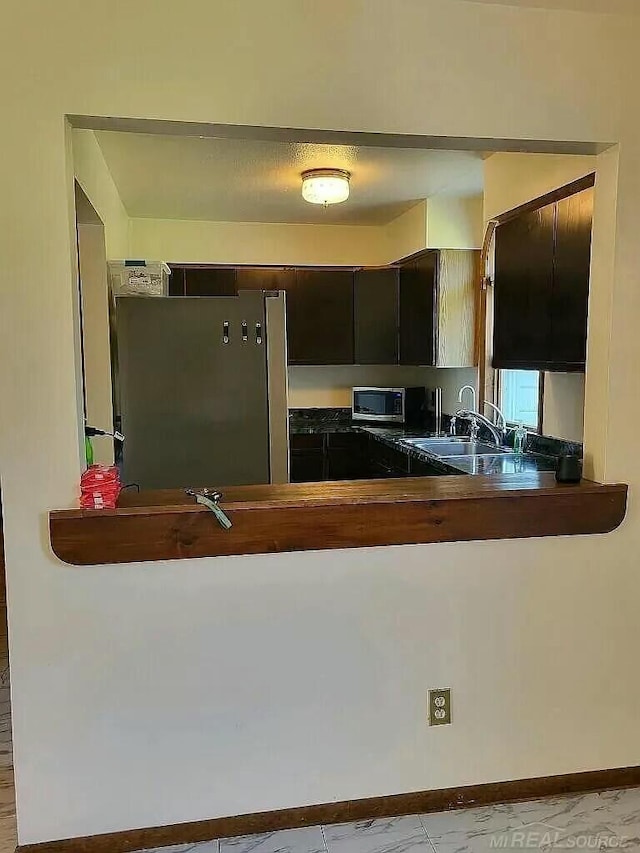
(454, 446)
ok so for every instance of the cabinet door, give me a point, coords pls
(306, 467)
(320, 317)
(307, 458)
(570, 295)
(176, 281)
(523, 290)
(376, 316)
(386, 461)
(423, 468)
(209, 281)
(347, 457)
(264, 278)
(417, 306)
(457, 280)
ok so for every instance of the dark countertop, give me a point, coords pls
(311, 428)
(393, 436)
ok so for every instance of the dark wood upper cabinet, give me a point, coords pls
(570, 294)
(202, 281)
(419, 312)
(264, 278)
(176, 281)
(523, 281)
(320, 317)
(542, 267)
(212, 281)
(376, 316)
(417, 309)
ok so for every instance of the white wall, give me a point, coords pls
(157, 694)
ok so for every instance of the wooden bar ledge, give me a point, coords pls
(167, 525)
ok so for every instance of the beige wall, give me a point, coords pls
(190, 241)
(455, 223)
(563, 414)
(407, 233)
(511, 179)
(92, 261)
(94, 177)
(331, 385)
(147, 695)
(440, 222)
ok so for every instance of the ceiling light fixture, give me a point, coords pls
(325, 186)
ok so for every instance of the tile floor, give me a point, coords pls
(607, 820)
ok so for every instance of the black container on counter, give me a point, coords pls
(569, 469)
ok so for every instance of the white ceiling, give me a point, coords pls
(177, 177)
(613, 7)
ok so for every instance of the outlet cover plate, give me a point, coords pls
(440, 706)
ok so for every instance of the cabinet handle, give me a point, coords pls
(258, 333)
(225, 332)
(245, 331)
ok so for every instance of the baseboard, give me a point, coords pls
(374, 807)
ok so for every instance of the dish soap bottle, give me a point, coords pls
(519, 439)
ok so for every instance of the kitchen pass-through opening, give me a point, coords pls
(249, 359)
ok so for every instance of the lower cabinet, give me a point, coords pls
(347, 456)
(306, 458)
(329, 456)
(387, 461)
(351, 456)
(422, 468)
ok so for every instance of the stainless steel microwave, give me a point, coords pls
(388, 405)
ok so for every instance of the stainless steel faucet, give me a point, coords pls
(474, 396)
(499, 413)
(476, 419)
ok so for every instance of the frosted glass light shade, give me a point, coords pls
(325, 186)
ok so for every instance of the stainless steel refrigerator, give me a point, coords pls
(200, 389)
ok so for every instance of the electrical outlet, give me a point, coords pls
(440, 707)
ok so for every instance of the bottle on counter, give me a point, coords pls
(519, 439)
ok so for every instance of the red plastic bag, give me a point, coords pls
(99, 487)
